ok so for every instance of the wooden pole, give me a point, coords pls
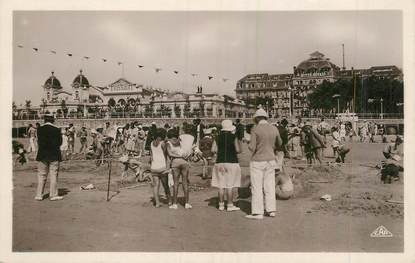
(354, 92)
(109, 178)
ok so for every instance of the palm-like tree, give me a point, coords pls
(43, 104)
(28, 104)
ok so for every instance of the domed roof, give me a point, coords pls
(317, 61)
(80, 80)
(53, 82)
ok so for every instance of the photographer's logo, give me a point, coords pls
(381, 231)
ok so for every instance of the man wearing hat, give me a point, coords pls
(265, 139)
(48, 157)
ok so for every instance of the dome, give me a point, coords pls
(316, 61)
(80, 81)
(53, 82)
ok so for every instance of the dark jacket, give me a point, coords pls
(226, 148)
(49, 141)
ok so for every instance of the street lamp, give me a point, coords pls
(381, 108)
(381, 105)
(289, 101)
(337, 96)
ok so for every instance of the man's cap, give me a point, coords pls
(48, 117)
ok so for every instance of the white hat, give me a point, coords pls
(94, 131)
(261, 113)
(396, 157)
(308, 123)
(123, 158)
(227, 125)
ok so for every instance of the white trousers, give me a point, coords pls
(263, 186)
(32, 145)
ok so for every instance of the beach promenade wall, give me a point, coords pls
(96, 123)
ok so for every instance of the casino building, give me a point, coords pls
(288, 92)
(123, 98)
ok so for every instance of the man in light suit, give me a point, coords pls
(48, 157)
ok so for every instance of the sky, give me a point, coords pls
(227, 44)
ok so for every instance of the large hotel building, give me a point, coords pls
(288, 92)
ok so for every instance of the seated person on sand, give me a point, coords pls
(393, 148)
(391, 168)
(394, 161)
(284, 188)
(341, 152)
(129, 162)
(18, 149)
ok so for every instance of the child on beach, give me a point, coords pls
(284, 188)
(158, 167)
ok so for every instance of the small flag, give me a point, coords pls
(53, 52)
(85, 57)
(193, 74)
(20, 46)
(104, 59)
(36, 49)
(224, 80)
(119, 63)
(69, 54)
(140, 66)
(210, 77)
(175, 71)
(157, 70)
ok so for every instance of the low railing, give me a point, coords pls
(123, 115)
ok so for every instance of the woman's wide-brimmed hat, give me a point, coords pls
(227, 125)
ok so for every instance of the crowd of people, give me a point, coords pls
(172, 149)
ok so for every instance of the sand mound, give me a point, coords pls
(303, 179)
(361, 204)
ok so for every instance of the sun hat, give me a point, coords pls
(227, 125)
(261, 113)
(396, 157)
(307, 123)
(123, 158)
(207, 131)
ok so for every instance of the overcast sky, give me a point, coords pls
(219, 44)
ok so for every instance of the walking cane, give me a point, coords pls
(109, 178)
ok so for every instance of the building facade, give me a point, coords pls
(286, 94)
(123, 98)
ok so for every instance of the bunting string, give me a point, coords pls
(157, 70)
